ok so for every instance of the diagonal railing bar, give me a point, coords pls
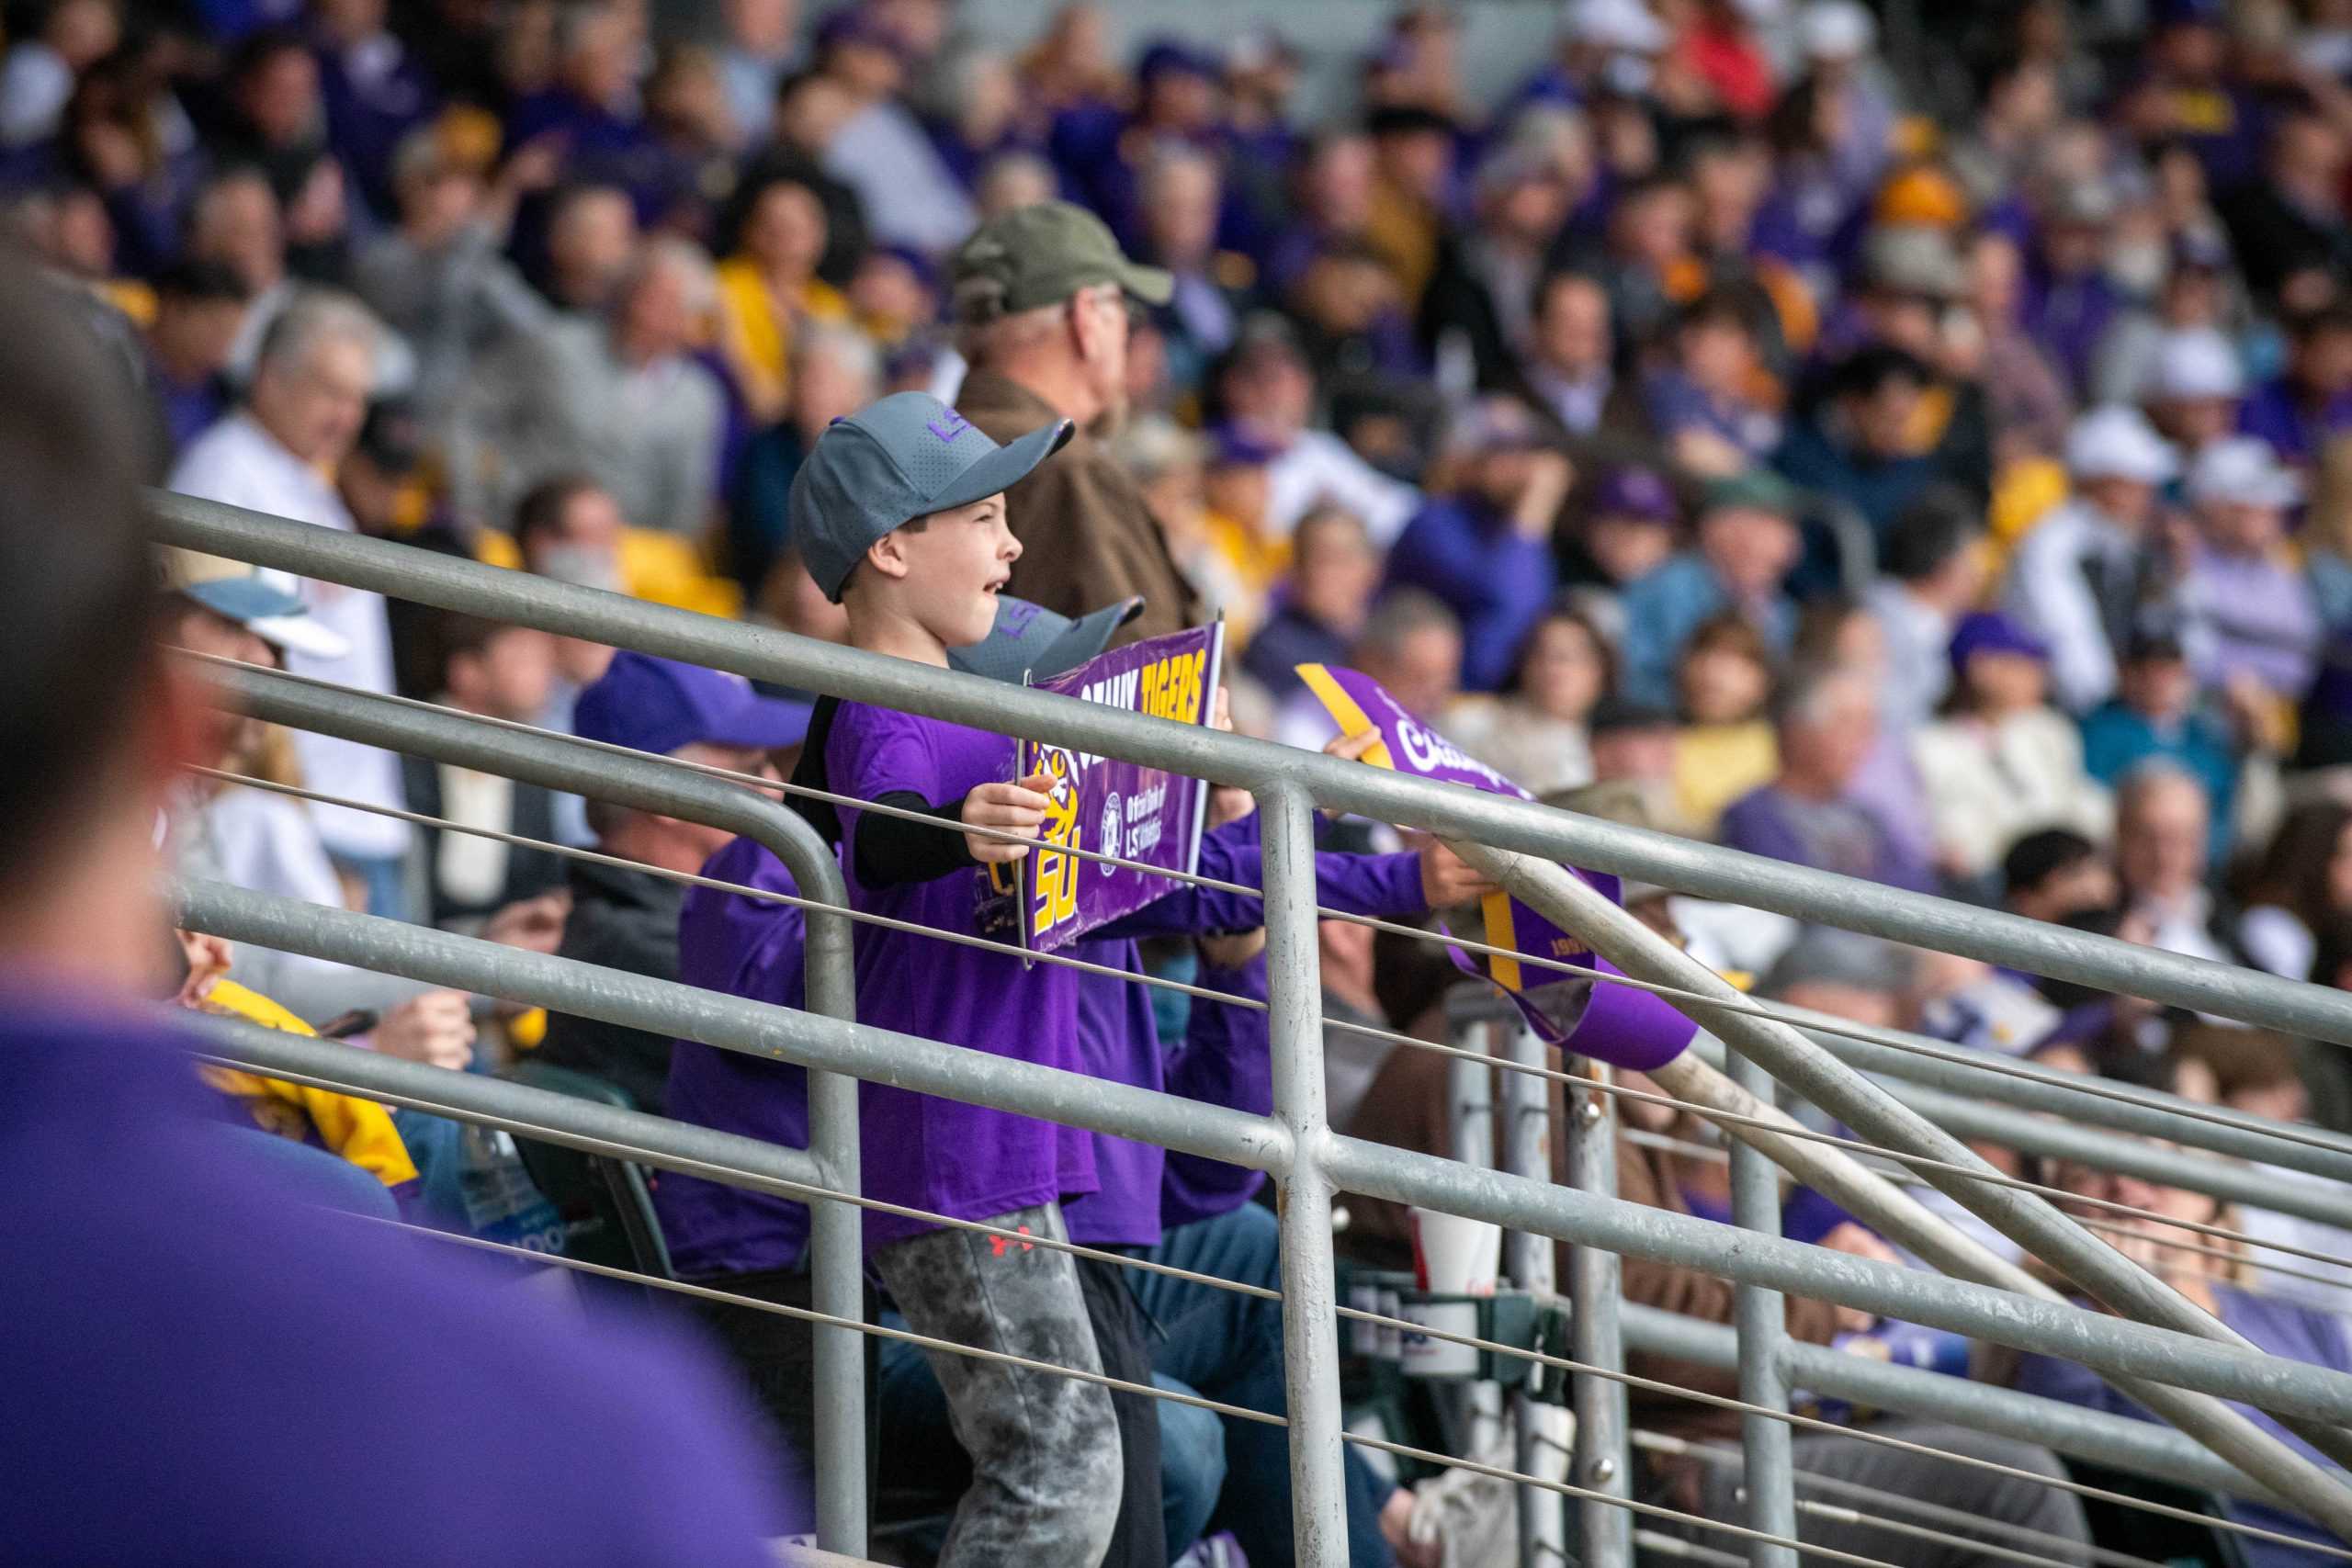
(2025, 1218)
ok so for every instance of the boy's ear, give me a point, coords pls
(887, 554)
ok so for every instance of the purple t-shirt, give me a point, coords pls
(964, 1161)
(207, 1370)
(753, 948)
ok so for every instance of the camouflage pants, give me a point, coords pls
(1044, 1450)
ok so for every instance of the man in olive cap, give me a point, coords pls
(1041, 297)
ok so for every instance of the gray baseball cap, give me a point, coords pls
(1042, 254)
(1029, 639)
(891, 462)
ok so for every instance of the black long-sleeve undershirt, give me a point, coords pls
(894, 851)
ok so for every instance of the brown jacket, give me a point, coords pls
(1406, 1108)
(1088, 538)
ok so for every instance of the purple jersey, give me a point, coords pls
(207, 1368)
(961, 1160)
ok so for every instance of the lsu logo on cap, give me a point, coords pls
(948, 427)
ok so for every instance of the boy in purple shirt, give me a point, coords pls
(1170, 1207)
(900, 513)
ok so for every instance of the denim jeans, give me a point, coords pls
(1229, 1347)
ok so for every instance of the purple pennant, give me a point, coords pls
(1613, 1025)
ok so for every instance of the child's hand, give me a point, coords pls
(1228, 803)
(1014, 807)
(1351, 748)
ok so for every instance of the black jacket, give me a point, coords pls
(628, 921)
(528, 872)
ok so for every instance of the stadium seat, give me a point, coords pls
(606, 1204)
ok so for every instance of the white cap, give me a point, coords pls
(1837, 29)
(2244, 469)
(2194, 364)
(1623, 25)
(2117, 443)
(265, 602)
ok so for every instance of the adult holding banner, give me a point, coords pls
(1612, 1023)
(1041, 297)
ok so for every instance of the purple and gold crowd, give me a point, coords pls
(1926, 458)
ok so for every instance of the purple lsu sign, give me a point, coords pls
(1611, 1024)
(1112, 808)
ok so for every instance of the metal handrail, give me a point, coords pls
(2025, 1218)
(2113, 1440)
(1703, 870)
(1297, 1145)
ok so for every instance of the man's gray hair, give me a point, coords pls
(839, 342)
(664, 252)
(1808, 693)
(313, 316)
(1402, 612)
(991, 341)
(2146, 776)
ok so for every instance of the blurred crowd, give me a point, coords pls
(1715, 357)
(1935, 468)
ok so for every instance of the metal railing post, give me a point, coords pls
(836, 1259)
(1596, 1282)
(1470, 1085)
(1760, 1316)
(1310, 1317)
(1527, 1151)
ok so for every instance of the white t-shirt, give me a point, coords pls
(240, 463)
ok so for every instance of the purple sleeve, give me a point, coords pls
(1223, 1061)
(1520, 574)
(1384, 886)
(872, 752)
